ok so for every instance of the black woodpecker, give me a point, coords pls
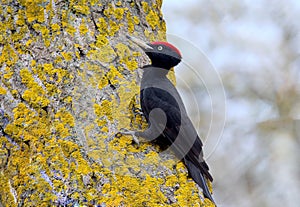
(162, 106)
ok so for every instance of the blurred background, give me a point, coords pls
(253, 47)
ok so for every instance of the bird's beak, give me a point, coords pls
(140, 43)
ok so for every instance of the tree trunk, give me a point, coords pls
(68, 84)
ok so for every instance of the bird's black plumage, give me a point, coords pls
(170, 125)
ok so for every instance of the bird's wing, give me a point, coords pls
(179, 130)
(187, 144)
(152, 98)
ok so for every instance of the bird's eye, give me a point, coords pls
(160, 48)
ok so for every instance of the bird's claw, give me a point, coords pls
(132, 133)
(138, 111)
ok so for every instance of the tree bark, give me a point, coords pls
(68, 84)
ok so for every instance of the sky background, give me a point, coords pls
(248, 50)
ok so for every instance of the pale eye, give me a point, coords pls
(160, 48)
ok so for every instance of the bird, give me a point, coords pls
(165, 113)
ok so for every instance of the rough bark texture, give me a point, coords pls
(69, 83)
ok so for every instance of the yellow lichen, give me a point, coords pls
(153, 19)
(70, 29)
(34, 10)
(35, 94)
(34, 97)
(136, 20)
(114, 27)
(67, 55)
(104, 54)
(55, 28)
(8, 55)
(82, 9)
(145, 6)
(102, 25)
(101, 41)
(103, 109)
(68, 99)
(130, 22)
(102, 82)
(65, 117)
(2, 91)
(8, 75)
(119, 12)
(83, 29)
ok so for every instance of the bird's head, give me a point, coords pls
(161, 54)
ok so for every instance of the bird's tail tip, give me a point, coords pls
(198, 177)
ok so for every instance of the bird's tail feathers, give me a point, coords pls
(198, 177)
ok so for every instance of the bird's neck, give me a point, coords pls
(151, 71)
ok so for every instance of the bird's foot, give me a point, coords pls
(138, 111)
(132, 133)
